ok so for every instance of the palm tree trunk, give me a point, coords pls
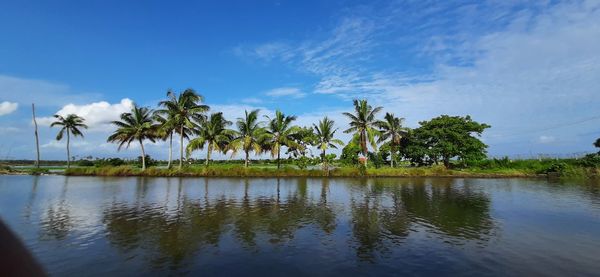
(143, 155)
(68, 150)
(392, 156)
(37, 139)
(208, 149)
(247, 159)
(278, 158)
(170, 150)
(323, 159)
(181, 147)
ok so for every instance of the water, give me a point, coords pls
(155, 226)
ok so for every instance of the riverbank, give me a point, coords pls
(240, 171)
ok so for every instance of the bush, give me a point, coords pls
(590, 160)
(109, 162)
(85, 163)
(149, 161)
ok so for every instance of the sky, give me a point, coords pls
(530, 69)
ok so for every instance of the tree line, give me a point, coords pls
(186, 117)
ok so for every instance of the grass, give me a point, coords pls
(225, 170)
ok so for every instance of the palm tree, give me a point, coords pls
(70, 125)
(136, 125)
(362, 124)
(391, 128)
(165, 130)
(325, 131)
(280, 133)
(214, 134)
(181, 112)
(250, 135)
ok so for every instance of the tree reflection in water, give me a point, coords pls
(169, 229)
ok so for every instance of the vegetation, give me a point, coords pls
(443, 146)
(70, 125)
(136, 125)
(212, 132)
(363, 124)
(182, 112)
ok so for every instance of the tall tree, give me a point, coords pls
(182, 111)
(250, 135)
(391, 129)
(363, 123)
(70, 125)
(325, 132)
(136, 125)
(280, 133)
(305, 137)
(446, 137)
(214, 134)
(165, 130)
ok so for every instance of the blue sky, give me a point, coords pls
(528, 68)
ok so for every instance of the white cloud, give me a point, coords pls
(7, 107)
(97, 115)
(546, 139)
(286, 91)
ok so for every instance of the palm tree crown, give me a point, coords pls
(325, 132)
(250, 135)
(363, 123)
(70, 125)
(280, 133)
(137, 125)
(181, 111)
(214, 134)
(391, 128)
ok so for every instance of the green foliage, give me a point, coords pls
(85, 163)
(109, 162)
(590, 160)
(350, 154)
(597, 144)
(363, 124)
(149, 161)
(303, 162)
(446, 137)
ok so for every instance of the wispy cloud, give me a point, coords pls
(514, 66)
(286, 92)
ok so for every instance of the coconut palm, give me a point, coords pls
(136, 125)
(70, 125)
(214, 134)
(250, 135)
(181, 111)
(391, 128)
(280, 133)
(325, 132)
(165, 130)
(363, 123)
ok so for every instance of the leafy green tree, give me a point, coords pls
(391, 129)
(70, 125)
(250, 135)
(597, 144)
(305, 137)
(181, 112)
(214, 134)
(325, 132)
(280, 132)
(137, 125)
(446, 137)
(363, 124)
(350, 153)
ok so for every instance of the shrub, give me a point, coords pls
(85, 163)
